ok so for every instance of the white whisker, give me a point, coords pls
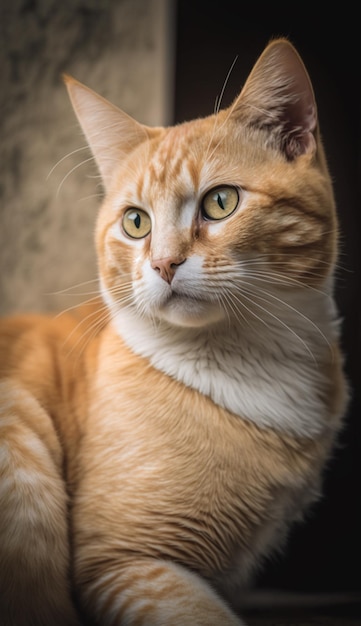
(260, 319)
(66, 157)
(99, 195)
(233, 307)
(283, 303)
(76, 306)
(219, 99)
(73, 169)
(97, 325)
(76, 286)
(275, 317)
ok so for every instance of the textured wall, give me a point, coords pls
(49, 189)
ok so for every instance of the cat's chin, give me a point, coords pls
(188, 313)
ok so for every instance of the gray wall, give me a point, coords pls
(49, 190)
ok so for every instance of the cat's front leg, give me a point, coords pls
(34, 554)
(150, 592)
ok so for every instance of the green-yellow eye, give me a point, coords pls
(220, 202)
(136, 223)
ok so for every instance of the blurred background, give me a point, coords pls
(165, 61)
(49, 187)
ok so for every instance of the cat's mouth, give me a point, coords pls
(185, 297)
(190, 310)
(190, 301)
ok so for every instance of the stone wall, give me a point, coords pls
(49, 187)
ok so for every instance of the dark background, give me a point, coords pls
(324, 553)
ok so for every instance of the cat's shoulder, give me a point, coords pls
(33, 344)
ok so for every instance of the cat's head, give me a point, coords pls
(199, 216)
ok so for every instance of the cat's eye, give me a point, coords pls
(220, 202)
(136, 223)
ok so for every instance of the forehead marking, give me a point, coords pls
(173, 156)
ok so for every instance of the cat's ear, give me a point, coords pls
(279, 98)
(110, 132)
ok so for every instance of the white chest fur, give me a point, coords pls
(271, 375)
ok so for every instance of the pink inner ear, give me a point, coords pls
(299, 120)
(299, 116)
(310, 118)
(278, 97)
(302, 113)
(298, 144)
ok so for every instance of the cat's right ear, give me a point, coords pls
(278, 97)
(110, 133)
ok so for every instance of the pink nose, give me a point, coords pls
(167, 267)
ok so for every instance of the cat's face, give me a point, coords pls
(201, 220)
(200, 215)
(169, 232)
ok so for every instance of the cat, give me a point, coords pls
(157, 446)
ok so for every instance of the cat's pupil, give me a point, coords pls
(137, 220)
(220, 201)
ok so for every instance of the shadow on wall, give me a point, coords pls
(50, 189)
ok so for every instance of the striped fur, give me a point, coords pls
(155, 446)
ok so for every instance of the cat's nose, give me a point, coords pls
(167, 267)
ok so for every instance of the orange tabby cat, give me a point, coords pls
(154, 458)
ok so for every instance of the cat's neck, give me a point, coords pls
(248, 367)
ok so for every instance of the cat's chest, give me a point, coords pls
(272, 388)
(166, 457)
(153, 439)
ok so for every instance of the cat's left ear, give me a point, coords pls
(279, 98)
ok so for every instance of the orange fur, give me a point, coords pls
(122, 483)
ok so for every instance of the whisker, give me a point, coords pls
(92, 196)
(279, 279)
(66, 157)
(76, 306)
(268, 259)
(234, 308)
(279, 320)
(70, 172)
(292, 308)
(76, 294)
(253, 314)
(219, 99)
(76, 286)
(87, 337)
(208, 156)
(98, 323)
(119, 290)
